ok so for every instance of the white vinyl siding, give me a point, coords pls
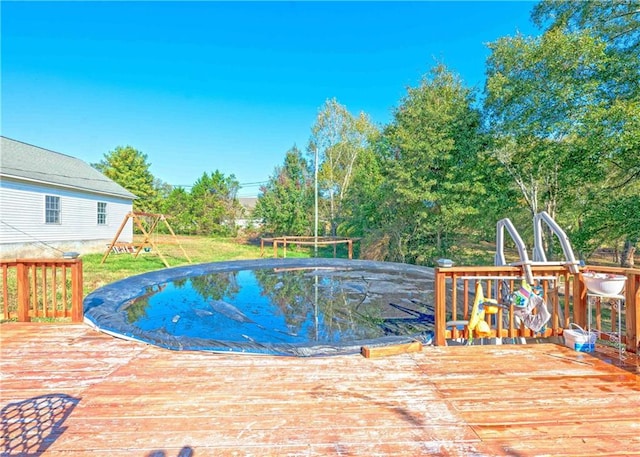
(23, 207)
(102, 213)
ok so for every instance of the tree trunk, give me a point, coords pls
(629, 250)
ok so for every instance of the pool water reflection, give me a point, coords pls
(297, 307)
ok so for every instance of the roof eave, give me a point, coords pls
(66, 186)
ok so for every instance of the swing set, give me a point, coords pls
(152, 220)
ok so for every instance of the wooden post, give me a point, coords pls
(146, 240)
(350, 244)
(567, 300)
(175, 238)
(440, 307)
(23, 292)
(77, 312)
(579, 301)
(145, 235)
(632, 304)
(115, 238)
(275, 248)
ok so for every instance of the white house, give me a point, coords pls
(245, 220)
(51, 203)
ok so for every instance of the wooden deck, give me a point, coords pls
(70, 391)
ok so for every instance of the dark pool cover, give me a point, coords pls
(302, 307)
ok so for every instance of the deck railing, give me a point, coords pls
(42, 288)
(53, 288)
(563, 291)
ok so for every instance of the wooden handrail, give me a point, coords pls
(564, 291)
(50, 288)
(307, 241)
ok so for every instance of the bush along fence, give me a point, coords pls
(42, 289)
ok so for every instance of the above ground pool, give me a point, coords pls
(302, 307)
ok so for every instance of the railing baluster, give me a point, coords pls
(465, 298)
(76, 286)
(39, 290)
(45, 310)
(33, 292)
(454, 297)
(23, 292)
(54, 286)
(5, 289)
(65, 301)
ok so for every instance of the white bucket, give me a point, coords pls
(579, 339)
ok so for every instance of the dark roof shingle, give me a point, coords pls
(31, 163)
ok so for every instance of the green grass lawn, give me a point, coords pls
(200, 249)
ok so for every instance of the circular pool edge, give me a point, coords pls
(102, 307)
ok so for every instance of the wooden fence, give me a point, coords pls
(42, 288)
(564, 292)
(307, 241)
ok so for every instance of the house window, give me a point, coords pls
(102, 213)
(51, 209)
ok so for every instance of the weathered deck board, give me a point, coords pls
(92, 394)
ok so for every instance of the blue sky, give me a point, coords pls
(228, 86)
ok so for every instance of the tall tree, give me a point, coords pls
(337, 138)
(370, 210)
(285, 202)
(433, 146)
(539, 94)
(214, 204)
(129, 168)
(612, 120)
(177, 206)
(617, 22)
(365, 200)
(608, 136)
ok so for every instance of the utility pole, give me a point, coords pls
(315, 233)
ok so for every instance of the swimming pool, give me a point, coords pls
(301, 307)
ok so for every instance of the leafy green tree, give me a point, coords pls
(432, 150)
(176, 205)
(539, 96)
(617, 22)
(569, 100)
(163, 190)
(129, 168)
(285, 202)
(608, 138)
(364, 201)
(337, 139)
(370, 210)
(214, 204)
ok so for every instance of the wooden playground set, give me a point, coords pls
(147, 223)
